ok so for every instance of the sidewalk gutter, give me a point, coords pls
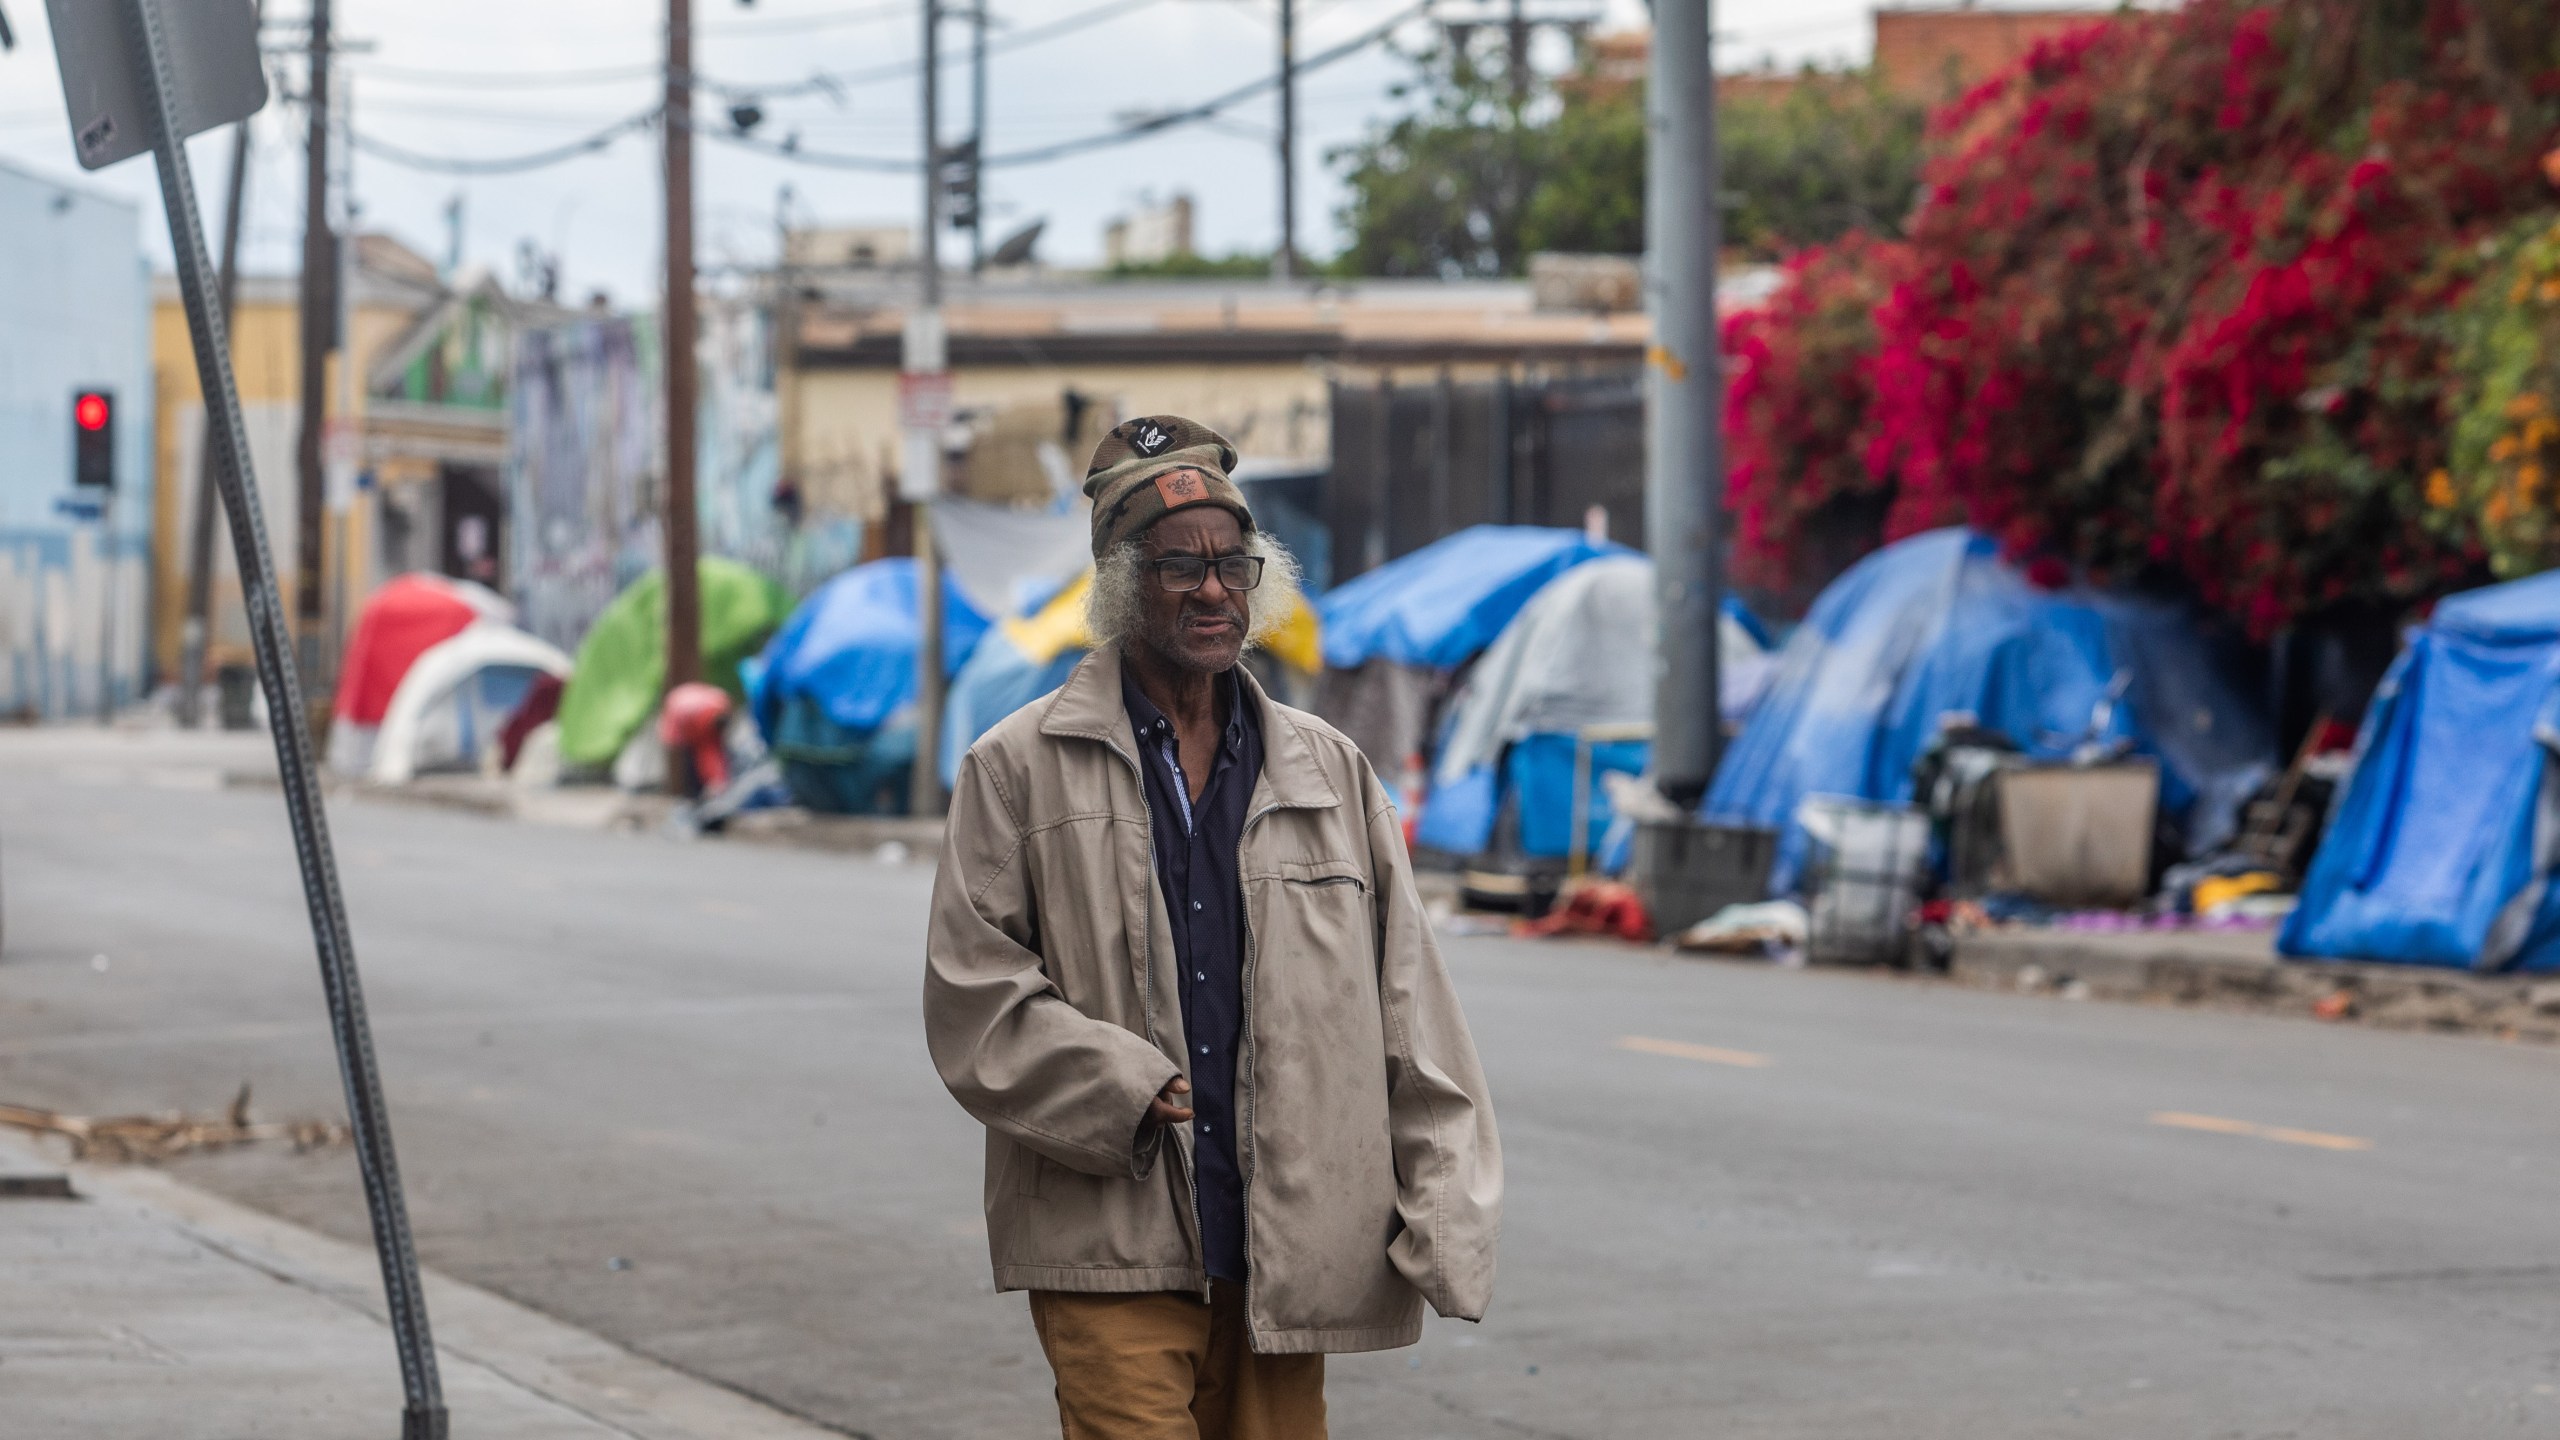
(161, 1314)
(2242, 970)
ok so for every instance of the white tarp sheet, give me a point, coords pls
(1580, 653)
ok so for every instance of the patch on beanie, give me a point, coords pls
(1178, 488)
(1151, 439)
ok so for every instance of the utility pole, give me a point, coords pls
(1516, 34)
(319, 315)
(978, 138)
(193, 636)
(925, 402)
(684, 600)
(344, 443)
(1284, 262)
(1684, 438)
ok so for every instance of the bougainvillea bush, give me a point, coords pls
(2502, 479)
(1799, 373)
(2181, 294)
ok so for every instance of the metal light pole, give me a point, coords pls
(684, 600)
(977, 137)
(1684, 397)
(1285, 263)
(924, 381)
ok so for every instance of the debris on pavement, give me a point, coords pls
(150, 1139)
(1601, 907)
(1758, 929)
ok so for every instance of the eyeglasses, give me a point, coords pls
(1179, 574)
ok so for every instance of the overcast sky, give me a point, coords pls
(486, 78)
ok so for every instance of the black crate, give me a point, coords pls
(1687, 871)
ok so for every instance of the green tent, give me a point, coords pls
(622, 664)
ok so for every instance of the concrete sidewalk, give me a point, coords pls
(147, 1308)
(2240, 969)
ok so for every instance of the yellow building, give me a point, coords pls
(1061, 360)
(416, 449)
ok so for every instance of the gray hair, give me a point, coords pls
(1120, 588)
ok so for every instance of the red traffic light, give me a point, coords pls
(90, 411)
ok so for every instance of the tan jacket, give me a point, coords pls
(1052, 1006)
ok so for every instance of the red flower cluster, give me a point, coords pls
(2175, 297)
(1798, 374)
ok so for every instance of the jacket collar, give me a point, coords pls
(1089, 707)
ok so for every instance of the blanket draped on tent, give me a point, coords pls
(1939, 624)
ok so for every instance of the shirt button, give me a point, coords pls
(1195, 904)
(1199, 974)
(1206, 1128)
(1204, 1049)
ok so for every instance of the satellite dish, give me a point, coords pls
(1017, 247)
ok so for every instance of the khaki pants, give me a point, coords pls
(1163, 1366)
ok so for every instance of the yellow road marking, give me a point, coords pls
(2282, 1135)
(1683, 1050)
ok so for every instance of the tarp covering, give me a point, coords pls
(622, 663)
(851, 647)
(457, 698)
(1443, 603)
(1019, 661)
(1026, 657)
(1580, 653)
(2441, 850)
(1006, 559)
(1939, 624)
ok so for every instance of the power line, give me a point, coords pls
(509, 164)
(888, 164)
(1154, 123)
(793, 24)
(508, 80)
(829, 81)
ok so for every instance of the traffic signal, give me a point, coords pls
(93, 438)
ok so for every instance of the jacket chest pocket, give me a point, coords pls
(1319, 907)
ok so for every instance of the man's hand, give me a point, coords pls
(1164, 1109)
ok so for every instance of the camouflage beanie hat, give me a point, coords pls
(1147, 468)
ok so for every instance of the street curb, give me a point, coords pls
(572, 1368)
(597, 807)
(2243, 972)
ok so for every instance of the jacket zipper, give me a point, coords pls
(1190, 1175)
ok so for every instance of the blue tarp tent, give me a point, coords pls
(1939, 623)
(2439, 854)
(834, 690)
(1438, 606)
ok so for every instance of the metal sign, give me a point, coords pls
(213, 62)
(143, 75)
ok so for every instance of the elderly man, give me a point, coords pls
(1178, 970)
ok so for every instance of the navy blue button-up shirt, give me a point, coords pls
(1196, 865)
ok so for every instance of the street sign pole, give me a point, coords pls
(155, 55)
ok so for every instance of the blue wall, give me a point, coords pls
(75, 312)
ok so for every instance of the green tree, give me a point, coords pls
(1837, 153)
(1468, 184)
(1443, 191)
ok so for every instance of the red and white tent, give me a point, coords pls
(408, 616)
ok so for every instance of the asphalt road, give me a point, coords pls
(1744, 1202)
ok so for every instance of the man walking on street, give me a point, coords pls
(1178, 969)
